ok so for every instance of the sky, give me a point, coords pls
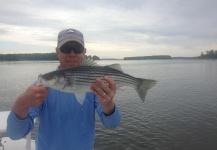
(111, 28)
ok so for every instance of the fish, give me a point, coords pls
(78, 79)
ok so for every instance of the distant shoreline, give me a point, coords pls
(53, 57)
(148, 57)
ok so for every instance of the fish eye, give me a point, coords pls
(48, 77)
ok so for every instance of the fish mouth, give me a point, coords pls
(40, 79)
(39, 76)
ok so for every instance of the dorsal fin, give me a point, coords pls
(115, 66)
(88, 61)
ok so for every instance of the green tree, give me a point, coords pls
(210, 54)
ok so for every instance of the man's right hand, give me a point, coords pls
(34, 96)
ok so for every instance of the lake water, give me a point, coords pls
(180, 112)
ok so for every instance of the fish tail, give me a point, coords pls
(143, 88)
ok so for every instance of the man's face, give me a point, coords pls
(70, 59)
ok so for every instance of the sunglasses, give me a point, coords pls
(72, 46)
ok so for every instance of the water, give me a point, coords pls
(179, 112)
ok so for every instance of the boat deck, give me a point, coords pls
(6, 143)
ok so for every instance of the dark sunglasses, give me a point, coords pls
(72, 46)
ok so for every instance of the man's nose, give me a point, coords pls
(72, 52)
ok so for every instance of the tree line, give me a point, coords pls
(33, 56)
(210, 54)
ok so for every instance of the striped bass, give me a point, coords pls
(77, 80)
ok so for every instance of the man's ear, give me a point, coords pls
(84, 51)
(57, 50)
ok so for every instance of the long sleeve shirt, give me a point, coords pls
(64, 124)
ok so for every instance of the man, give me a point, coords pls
(64, 124)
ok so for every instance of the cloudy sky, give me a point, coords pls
(111, 28)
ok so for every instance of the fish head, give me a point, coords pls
(52, 80)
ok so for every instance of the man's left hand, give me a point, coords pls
(105, 93)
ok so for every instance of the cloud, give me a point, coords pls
(145, 27)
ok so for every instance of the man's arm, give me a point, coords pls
(19, 122)
(110, 114)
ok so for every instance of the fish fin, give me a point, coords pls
(80, 97)
(66, 84)
(143, 88)
(115, 66)
(88, 61)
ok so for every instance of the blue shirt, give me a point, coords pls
(64, 124)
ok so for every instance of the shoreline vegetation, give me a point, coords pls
(34, 56)
(212, 54)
